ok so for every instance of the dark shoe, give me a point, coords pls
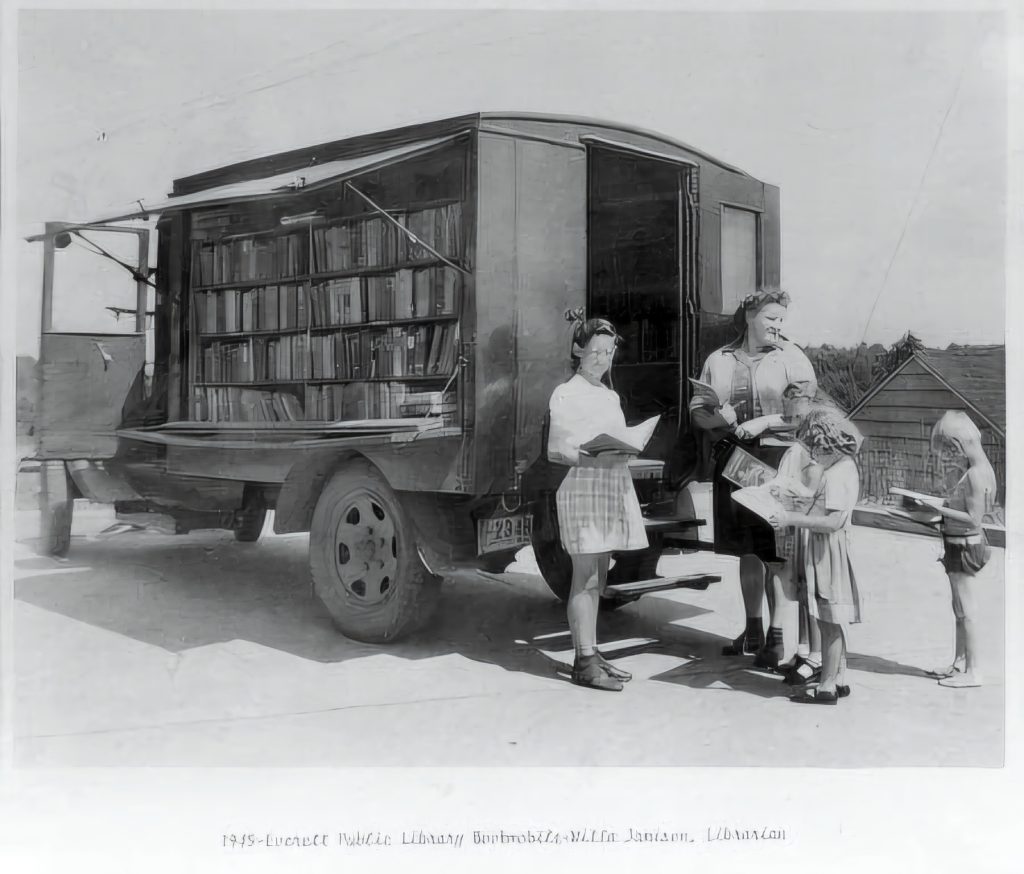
(767, 659)
(612, 671)
(749, 643)
(587, 671)
(842, 691)
(815, 696)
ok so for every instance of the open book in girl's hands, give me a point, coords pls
(606, 443)
(917, 506)
(636, 439)
(918, 498)
(782, 494)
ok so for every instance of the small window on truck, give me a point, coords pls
(740, 255)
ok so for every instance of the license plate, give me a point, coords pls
(503, 532)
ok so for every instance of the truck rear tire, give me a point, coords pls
(556, 568)
(363, 558)
(56, 509)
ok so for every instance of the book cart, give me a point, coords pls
(363, 335)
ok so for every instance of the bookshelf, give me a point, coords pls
(342, 318)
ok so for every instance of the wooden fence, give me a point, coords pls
(908, 463)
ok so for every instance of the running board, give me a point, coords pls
(669, 524)
(643, 587)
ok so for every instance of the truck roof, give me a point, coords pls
(366, 144)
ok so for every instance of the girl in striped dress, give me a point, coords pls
(832, 596)
(598, 510)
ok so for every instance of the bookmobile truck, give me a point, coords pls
(363, 337)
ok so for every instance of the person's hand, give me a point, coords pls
(756, 427)
(728, 412)
(748, 430)
(779, 519)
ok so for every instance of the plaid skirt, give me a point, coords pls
(598, 511)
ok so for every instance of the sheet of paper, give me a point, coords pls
(640, 435)
(759, 501)
(930, 500)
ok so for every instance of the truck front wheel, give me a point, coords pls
(249, 520)
(363, 559)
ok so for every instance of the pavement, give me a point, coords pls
(147, 649)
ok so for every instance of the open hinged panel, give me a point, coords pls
(324, 301)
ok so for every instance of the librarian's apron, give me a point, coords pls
(739, 531)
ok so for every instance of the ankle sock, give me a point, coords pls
(774, 636)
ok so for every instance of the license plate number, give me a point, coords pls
(503, 532)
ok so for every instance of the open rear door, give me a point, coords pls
(93, 342)
(641, 242)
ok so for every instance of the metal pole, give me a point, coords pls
(141, 287)
(46, 323)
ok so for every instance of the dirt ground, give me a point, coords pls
(148, 649)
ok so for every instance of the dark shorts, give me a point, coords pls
(739, 531)
(965, 558)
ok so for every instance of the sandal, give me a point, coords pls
(816, 696)
(802, 673)
(611, 670)
(587, 671)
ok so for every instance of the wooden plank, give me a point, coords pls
(905, 380)
(872, 517)
(897, 414)
(643, 587)
(904, 430)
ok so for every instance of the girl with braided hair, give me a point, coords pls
(597, 507)
(831, 596)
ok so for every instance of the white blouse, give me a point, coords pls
(581, 411)
(774, 372)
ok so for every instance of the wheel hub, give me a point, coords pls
(366, 553)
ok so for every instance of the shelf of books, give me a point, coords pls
(340, 321)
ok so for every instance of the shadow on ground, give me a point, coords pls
(180, 593)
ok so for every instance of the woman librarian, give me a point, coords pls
(751, 376)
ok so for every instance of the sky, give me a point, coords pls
(886, 132)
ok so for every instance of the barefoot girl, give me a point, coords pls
(957, 442)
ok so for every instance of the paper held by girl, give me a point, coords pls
(779, 494)
(631, 442)
(917, 506)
